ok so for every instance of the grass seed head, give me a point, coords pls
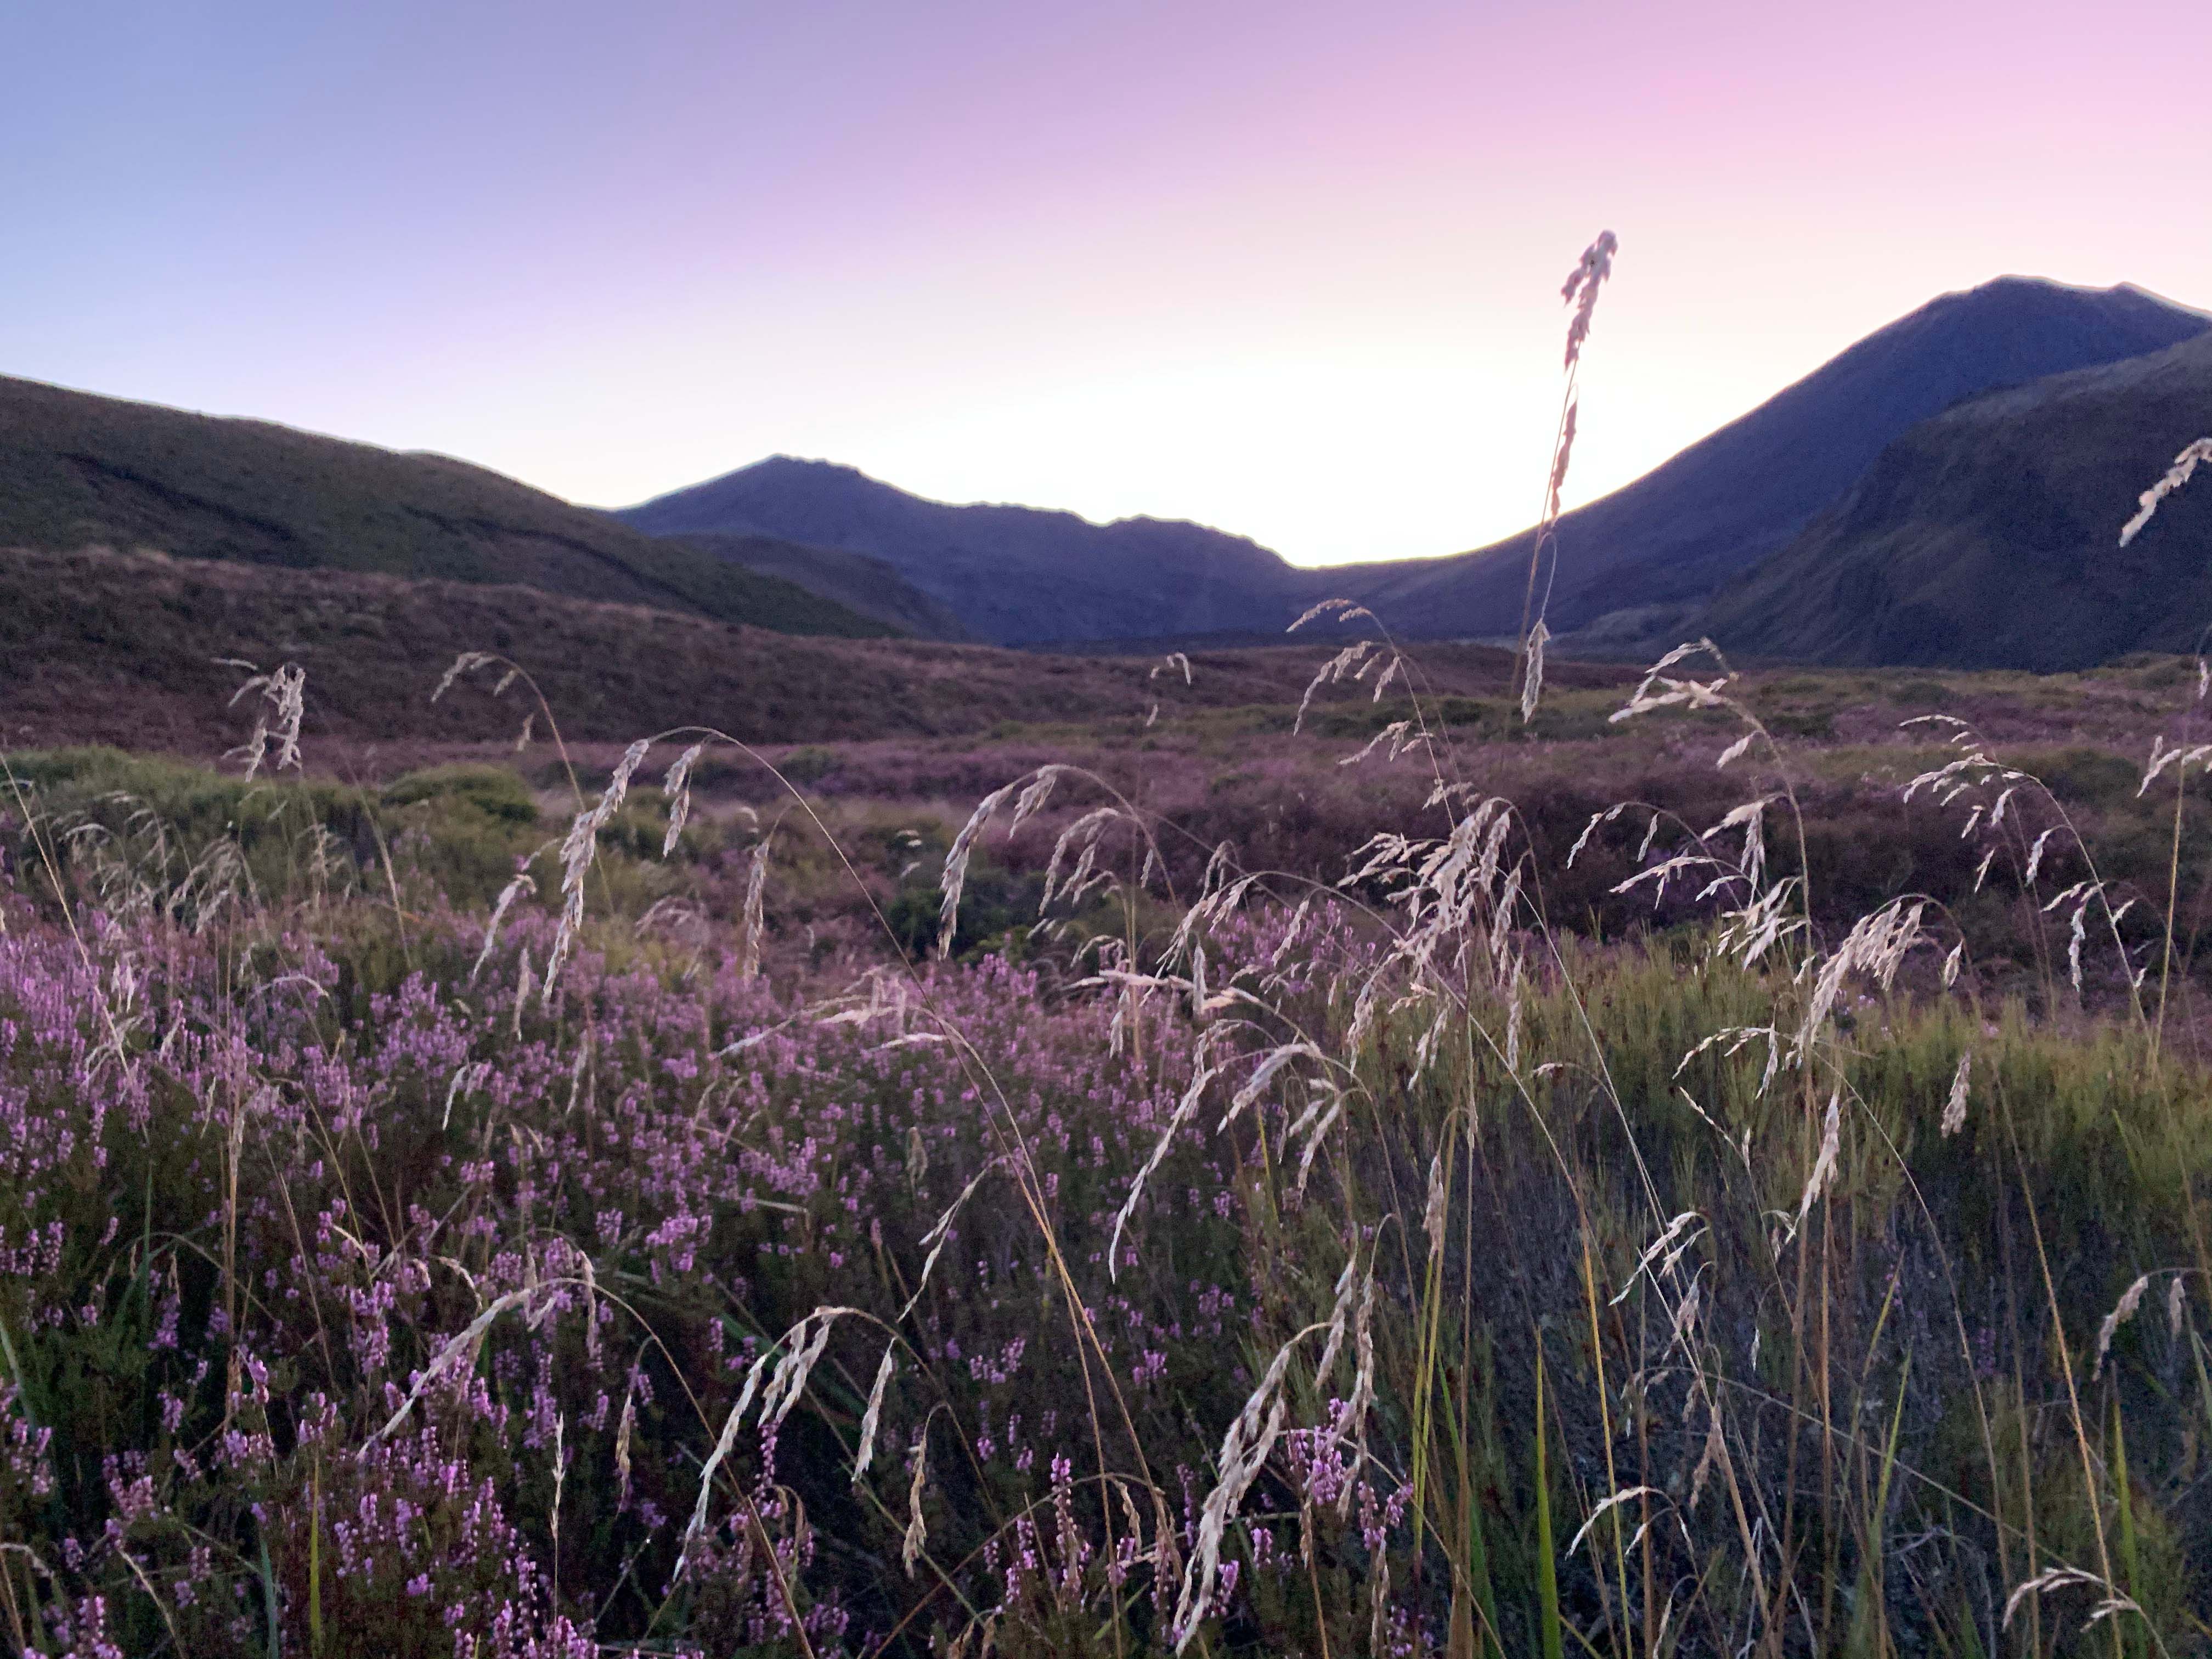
(1955, 1109)
(2184, 463)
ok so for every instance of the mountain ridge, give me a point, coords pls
(77, 469)
(1675, 535)
(1014, 574)
(1988, 535)
(820, 546)
(1632, 565)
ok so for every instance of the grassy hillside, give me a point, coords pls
(101, 646)
(1989, 536)
(868, 586)
(77, 470)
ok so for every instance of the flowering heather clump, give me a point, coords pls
(246, 1227)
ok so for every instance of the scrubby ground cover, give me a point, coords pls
(1404, 1206)
(137, 648)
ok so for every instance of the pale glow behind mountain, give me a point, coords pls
(1291, 271)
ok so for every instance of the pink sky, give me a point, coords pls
(1288, 269)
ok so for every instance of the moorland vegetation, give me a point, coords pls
(434, 1228)
(1445, 1155)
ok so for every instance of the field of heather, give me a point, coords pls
(1717, 1170)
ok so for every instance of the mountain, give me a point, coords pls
(871, 586)
(1988, 536)
(77, 470)
(1011, 575)
(811, 547)
(1632, 566)
(1635, 564)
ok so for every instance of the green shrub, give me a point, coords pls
(2087, 777)
(1803, 723)
(493, 791)
(809, 766)
(1920, 693)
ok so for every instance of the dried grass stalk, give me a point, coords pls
(277, 717)
(677, 788)
(937, 1234)
(1955, 1110)
(1824, 1166)
(623, 1432)
(578, 850)
(754, 925)
(917, 1532)
(2176, 475)
(1244, 1451)
(1532, 678)
(874, 1414)
(1186, 1108)
(523, 883)
(449, 1358)
(2122, 1311)
(955, 865)
(799, 1348)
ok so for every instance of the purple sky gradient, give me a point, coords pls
(1288, 269)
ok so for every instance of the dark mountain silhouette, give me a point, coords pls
(1637, 562)
(1989, 536)
(811, 547)
(78, 471)
(1632, 568)
(1012, 575)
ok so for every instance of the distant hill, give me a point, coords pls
(871, 586)
(1634, 565)
(1988, 536)
(77, 470)
(1011, 575)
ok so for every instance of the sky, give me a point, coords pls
(1289, 268)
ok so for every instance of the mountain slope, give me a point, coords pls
(98, 646)
(1671, 538)
(1012, 575)
(78, 470)
(1989, 536)
(871, 586)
